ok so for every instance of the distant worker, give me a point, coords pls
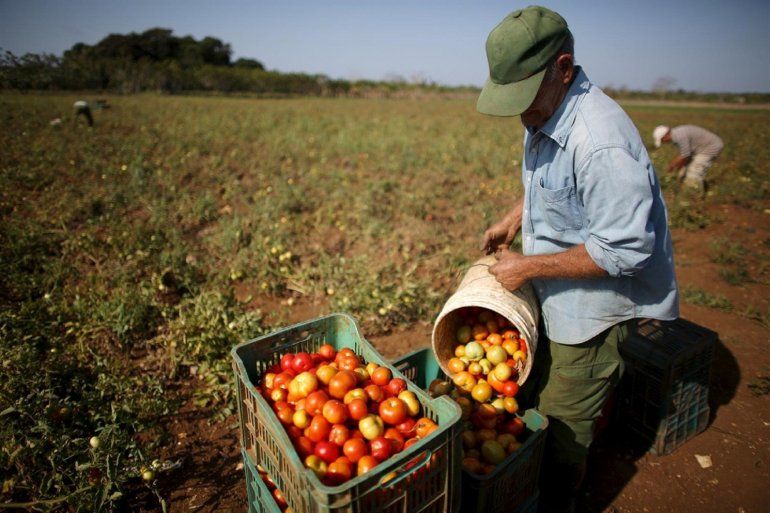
(82, 109)
(697, 150)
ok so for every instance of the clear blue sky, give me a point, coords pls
(706, 45)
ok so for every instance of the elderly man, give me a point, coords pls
(697, 150)
(596, 243)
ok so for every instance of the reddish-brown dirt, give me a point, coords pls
(621, 477)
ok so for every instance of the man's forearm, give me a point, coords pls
(575, 263)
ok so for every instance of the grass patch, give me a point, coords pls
(700, 297)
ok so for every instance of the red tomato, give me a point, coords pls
(510, 388)
(514, 426)
(424, 427)
(396, 386)
(304, 446)
(280, 405)
(356, 433)
(327, 352)
(318, 430)
(358, 409)
(381, 448)
(302, 362)
(338, 472)
(335, 412)
(286, 361)
(410, 442)
(381, 376)
(327, 451)
(354, 449)
(282, 380)
(314, 403)
(339, 434)
(345, 351)
(365, 464)
(375, 393)
(349, 363)
(406, 428)
(286, 416)
(294, 432)
(393, 411)
(396, 439)
(341, 383)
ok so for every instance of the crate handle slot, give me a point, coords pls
(404, 472)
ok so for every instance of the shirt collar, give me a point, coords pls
(560, 123)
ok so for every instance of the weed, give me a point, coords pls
(700, 297)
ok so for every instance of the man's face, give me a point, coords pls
(550, 94)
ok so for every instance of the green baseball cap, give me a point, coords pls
(518, 51)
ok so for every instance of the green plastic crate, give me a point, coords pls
(418, 479)
(259, 496)
(513, 486)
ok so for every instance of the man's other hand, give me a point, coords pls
(510, 270)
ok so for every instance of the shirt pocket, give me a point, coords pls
(559, 208)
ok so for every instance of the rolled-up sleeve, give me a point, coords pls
(617, 195)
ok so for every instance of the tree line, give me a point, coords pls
(157, 60)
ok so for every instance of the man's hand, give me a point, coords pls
(502, 232)
(510, 270)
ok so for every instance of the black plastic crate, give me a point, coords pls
(664, 391)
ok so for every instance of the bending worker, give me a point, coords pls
(697, 150)
(596, 243)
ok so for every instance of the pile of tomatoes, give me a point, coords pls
(343, 416)
(488, 357)
(489, 354)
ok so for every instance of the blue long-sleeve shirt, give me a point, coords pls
(588, 180)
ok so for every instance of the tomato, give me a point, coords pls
(294, 432)
(396, 386)
(492, 452)
(335, 412)
(302, 362)
(358, 409)
(460, 351)
(301, 419)
(456, 365)
(304, 384)
(327, 451)
(371, 426)
(381, 376)
(511, 346)
(482, 392)
(268, 380)
(464, 381)
(396, 439)
(463, 334)
(286, 361)
(314, 402)
(356, 393)
(349, 363)
(510, 404)
(280, 405)
(411, 402)
(406, 427)
(495, 339)
(375, 393)
(282, 380)
(361, 375)
(286, 416)
(380, 448)
(279, 499)
(365, 464)
(469, 439)
(514, 426)
(317, 465)
(475, 369)
(519, 356)
(479, 332)
(325, 373)
(393, 410)
(354, 449)
(339, 471)
(510, 335)
(496, 354)
(355, 433)
(510, 388)
(327, 352)
(424, 427)
(472, 465)
(346, 351)
(318, 430)
(305, 446)
(411, 442)
(339, 434)
(341, 383)
(495, 383)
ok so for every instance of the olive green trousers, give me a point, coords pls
(571, 385)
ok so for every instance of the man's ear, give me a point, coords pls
(565, 65)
